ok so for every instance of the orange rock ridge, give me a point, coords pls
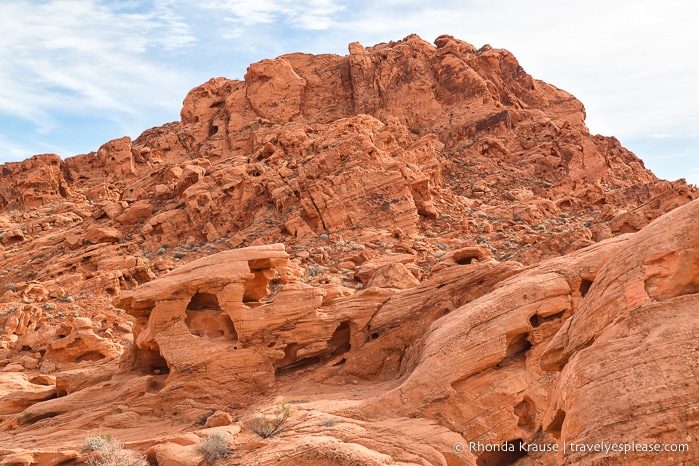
(413, 246)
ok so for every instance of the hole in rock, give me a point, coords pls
(518, 346)
(339, 342)
(465, 260)
(374, 336)
(290, 362)
(152, 362)
(525, 410)
(537, 320)
(203, 301)
(555, 426)
(508, 453)
(213, 130)
(91, 356)
(564, 205)
(206, 319)
(256, 287)
(585, 286)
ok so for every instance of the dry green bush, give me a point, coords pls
(267, 427)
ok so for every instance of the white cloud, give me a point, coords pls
(82, 56)
(299, 14)
(10, 151)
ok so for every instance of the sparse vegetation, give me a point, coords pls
(268, 427)
(97, 443)
(103, 450)
(315, 270)
(214, 447)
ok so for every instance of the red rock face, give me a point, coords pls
(32, 183)
(417, 246)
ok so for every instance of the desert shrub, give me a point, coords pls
(267, 427)
(97, 443)
(214, 447)
(103, 450)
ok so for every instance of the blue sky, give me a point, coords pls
(77, 73)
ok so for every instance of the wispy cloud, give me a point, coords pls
(294, 14)
(12, 151)
(84, 56)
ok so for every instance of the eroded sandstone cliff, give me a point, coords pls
(414, 246)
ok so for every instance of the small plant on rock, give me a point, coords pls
(103, 450)
(268, 427)
(214, 447)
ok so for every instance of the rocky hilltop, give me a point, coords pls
(409, 250)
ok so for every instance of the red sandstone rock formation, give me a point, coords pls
(414, 246)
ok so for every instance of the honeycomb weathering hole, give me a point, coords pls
(339, 342)
(203, 301)
(518, 346)
(256, 287)
(292, 362)
(556, 425)
(206, 319)
(585, 287)
(152, 361)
